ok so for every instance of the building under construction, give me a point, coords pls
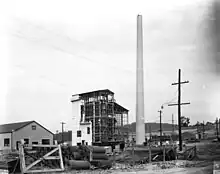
(99, 111)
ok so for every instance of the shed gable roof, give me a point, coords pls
(7, 128)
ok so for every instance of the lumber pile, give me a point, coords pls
(141, 155)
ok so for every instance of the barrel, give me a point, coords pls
(79, 165)
(97, 149)
(73, 148)
(102, 164)
(77, 156)
(99, 156)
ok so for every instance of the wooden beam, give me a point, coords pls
(22, 160)
(61, 158)
(52, 158)
(175, 104)
(44, 171)
(41, 145)
(180, 83)
(36, 162)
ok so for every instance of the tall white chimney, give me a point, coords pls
(140, 124)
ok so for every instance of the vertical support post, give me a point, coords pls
(160, 127)
(164, 154)
(172, 124)
(113, 121)
(100, 125)
(217, 127)
(21, 156)
(62, 131)
(114, 158)
(61, 157)
(93, 134)
(133, 162)
(179, 106)
(12, 140)
(195, 152)
(179, 110)
(127, 127)
(149, 152)
(121, 119)
(90, 155)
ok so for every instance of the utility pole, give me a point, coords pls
(217, 127)
(203, 128)
(197, 126)
(160, 128)
(150, 132)
(62, 131)
(172, 123)
(179, 106)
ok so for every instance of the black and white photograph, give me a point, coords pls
(110, 87)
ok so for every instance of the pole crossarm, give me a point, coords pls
(180, 83)
(175, 104)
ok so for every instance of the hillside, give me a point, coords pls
(155, 127)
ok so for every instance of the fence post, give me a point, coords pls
(195, 152)
(21, 156)
(149, 153)
(164, 154)
(133, 155)
(114, 164)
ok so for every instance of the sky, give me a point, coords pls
(53, 49)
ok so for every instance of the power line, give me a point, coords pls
(169, 101)
(58, 48)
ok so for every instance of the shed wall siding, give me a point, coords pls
(33, 135)
(2, 137)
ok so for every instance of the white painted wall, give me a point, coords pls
(2, 137)
(85, 136)
(76, 115)
(33, 135)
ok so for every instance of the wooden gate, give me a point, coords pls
(40, 158)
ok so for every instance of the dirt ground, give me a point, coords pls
(200, 168)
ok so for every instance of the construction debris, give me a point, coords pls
(41, 158)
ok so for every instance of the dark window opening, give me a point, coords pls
(17, 144)
(33, 127)
(87, 143)
(35, 142)
(88, 130)
(45, 141)
(78, 144)
(6, 142)
(26, 141)
(79, 133)
(83, 142)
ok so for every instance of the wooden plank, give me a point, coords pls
(34, 163)
(42, 145)
(22, 159)
(52, 157)
(61, 158)
(31, 151)
(46, 170)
